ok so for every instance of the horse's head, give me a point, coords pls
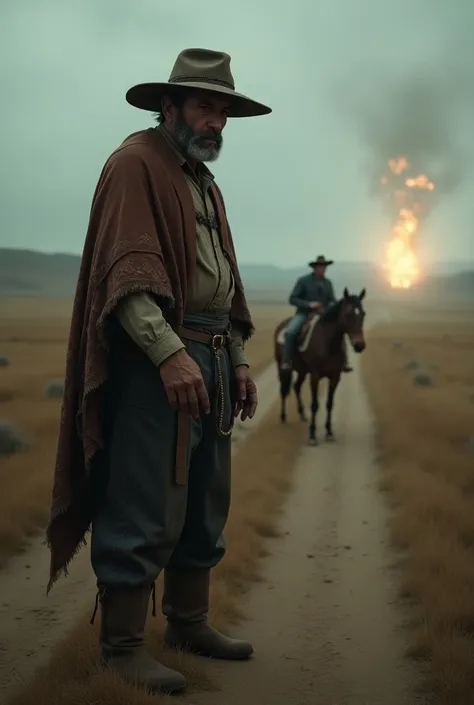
(352, 316)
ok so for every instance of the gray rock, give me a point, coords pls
(422, 378)
(55, 389)
(12, 440)
(4, 361)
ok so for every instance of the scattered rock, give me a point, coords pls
(12, 439)
(4, 361)
(55, 389)
(422, 379)
(397, 344)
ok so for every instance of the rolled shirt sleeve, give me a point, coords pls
(143, 320)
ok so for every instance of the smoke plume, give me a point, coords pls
(414, 124)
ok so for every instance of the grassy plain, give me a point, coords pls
(420, 376)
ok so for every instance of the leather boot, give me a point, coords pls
(185, 605)
(123, 617)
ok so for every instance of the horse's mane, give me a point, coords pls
(331, 314)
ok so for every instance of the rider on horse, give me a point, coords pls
(312, 292)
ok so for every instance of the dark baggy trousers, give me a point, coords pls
(148, 522)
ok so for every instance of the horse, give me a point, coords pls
(320, 354)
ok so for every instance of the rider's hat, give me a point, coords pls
(321, 261)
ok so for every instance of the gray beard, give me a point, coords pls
(188, 142)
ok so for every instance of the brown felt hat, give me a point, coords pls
(197, 68)
(321, 261)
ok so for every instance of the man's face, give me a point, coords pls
(319, 270)
(197, 126)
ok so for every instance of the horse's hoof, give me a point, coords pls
(313, 442)
(330, 438)
(303, 419)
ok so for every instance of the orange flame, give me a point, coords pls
(399, 165)
(420, 182)
(401, 260)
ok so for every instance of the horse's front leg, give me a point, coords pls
(332, 386)
(285, 389)
(297, 388)
(314, 408)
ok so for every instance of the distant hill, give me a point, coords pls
(36, 274)
(31, 273)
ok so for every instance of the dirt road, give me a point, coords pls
(31, 623)
(325, 623)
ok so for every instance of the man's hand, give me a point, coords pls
(184, 384)
(315, 305)
(247, 394)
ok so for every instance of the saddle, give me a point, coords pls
(304, 335)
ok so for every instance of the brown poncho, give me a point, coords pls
(141, 237)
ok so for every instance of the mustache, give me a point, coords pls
(210, 135)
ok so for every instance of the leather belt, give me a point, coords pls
(198, 336)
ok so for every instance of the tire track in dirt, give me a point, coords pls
(31, 622)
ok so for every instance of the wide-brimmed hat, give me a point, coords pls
(197, 68)
(321, 261)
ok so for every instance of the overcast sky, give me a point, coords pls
(297, 182)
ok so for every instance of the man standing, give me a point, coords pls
(312, 292)
(156, 373)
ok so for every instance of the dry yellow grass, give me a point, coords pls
(429, 475)
(74, 678)
(33, 336)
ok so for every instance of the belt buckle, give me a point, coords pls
(217, 341)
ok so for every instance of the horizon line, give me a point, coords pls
(242, 262)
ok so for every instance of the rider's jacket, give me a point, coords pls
(310, 288)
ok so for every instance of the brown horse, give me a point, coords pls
(320, 354)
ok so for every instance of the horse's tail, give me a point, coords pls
(286, 377)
